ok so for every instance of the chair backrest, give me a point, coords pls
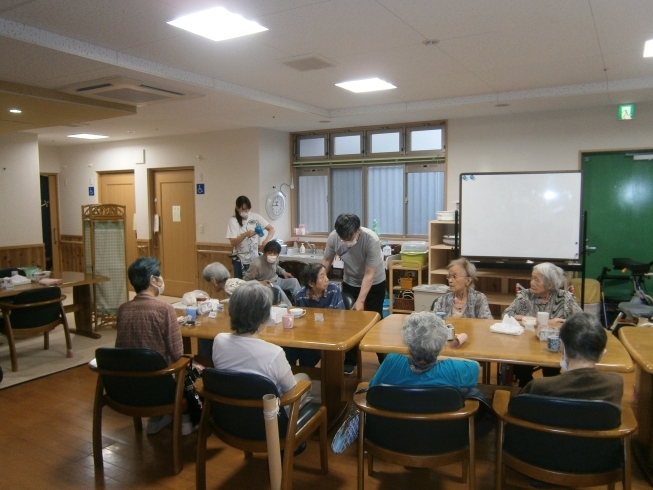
(348, 300)
(133, 391)
(37, 315)
(562, 452)
(413, 436)
(6, 272)
(242, 422)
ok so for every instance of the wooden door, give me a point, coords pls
(174, 193)
(118, 188)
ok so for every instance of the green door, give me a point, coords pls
(618, 198)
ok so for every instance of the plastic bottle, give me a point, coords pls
(295, 246)
(375, 227)
(386, 307)
(387, 250)
(302, 249)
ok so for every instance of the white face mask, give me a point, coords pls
(350, 243)
(244, 214)
(272, 259)
(563, 362)
(161, 287)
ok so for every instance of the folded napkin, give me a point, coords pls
(508, 326)
(50, 282)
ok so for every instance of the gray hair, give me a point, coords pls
(424, 334)
(583, 337)
(249, 307)
(215, 271)
(554, 276)
(468, 267)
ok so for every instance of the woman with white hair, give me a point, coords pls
(462, 300)
(425, 336)
(545, 294)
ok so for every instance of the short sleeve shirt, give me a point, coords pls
(247, 250)
(366, 252)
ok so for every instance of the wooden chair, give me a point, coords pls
(576, 443)
(416, 426)
(138, 383)
(33, 312)
(233, 409)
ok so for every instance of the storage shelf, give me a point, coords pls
(442, 246)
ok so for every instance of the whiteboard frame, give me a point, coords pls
(573, 232)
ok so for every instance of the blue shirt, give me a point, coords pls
(395, 370)
(332, 298)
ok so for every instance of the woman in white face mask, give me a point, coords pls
(583, 340)
(243, 236)
(145, 322)
(266, 270)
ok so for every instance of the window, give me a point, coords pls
(348, 145)
(311, 147)
(424, 140)
(385, 142)
(403, 198)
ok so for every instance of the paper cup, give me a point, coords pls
(288, 321)
(460, 339)
(542, 318)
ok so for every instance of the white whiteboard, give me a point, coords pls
(534, 215)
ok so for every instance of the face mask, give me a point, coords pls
(244, 214)
(161, 287)
(350, 243)
(272, 259)
(563, 362)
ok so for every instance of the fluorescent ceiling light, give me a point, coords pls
(648, 49)
(368, 85)
(86, 136)
(15, 111)
(217, 24)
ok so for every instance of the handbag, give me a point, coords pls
(193, 400)
(347, 433)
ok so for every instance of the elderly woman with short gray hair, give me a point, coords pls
(425, 336)
(462, 300)
(242, 350)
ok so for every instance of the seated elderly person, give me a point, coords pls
(317, 292)
(425, 336)
(266, 270)
(462, 300)
(583, 341)
(242, 350)
(147, 323)
(546, 294)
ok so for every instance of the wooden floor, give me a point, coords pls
(45, 442)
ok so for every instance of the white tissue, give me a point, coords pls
(508, 326)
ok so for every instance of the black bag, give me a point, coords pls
(193, 400)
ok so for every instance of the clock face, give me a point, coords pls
(275, 205)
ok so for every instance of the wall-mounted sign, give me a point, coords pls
(626, 111)
(91, 191)
(200, 188)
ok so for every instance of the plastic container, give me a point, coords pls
(375, 227)
(386, 307)
(426, 294)
(415, 251)
(446, 215)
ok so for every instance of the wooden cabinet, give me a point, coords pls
(498, 285)
(399, 272)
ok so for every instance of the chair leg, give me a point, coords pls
(287, 466)
(97, 425)
(324, 450)
(465, 474)
(370, 464)
(66, 331)
(200, 466)
(46, 340)
(138, 424)
(627, 470)
(359, 366)
(12, 348)
(471, 478)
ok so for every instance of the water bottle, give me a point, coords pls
(387, 250)
(375, 227)
(386, 307)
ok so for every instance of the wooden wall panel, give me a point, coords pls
(208, 253)
(144, 247)
(72, 253)
(23, 256)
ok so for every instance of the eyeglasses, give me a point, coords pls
(454, 276)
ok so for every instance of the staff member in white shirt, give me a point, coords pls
(364, 274)
(241, 232)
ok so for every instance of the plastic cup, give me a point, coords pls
(191, 311)
(288, 321)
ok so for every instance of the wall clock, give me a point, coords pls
(275, 204)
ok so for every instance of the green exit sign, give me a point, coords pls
(626, 111)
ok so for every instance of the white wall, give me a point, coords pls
(49, 160)
(274, 170)
(539, 141)
(20, 190)
(228, 163)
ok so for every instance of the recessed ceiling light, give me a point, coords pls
(15, 111)
(368, 85)
(217, 24)
(86, 136)
(648, 49)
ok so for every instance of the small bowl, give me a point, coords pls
(297, 312)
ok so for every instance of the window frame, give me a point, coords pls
(402, 142)
(411, 129)
(297, 140)
(348, 156)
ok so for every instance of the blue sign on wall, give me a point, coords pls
(200, 188)
(91, 191)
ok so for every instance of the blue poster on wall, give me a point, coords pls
(91, 191)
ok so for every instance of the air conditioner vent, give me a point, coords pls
(125, 91)
(308, 63)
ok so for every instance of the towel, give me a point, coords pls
(508, 326)
(50, 282)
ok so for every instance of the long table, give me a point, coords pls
(340, 331)
(484, 346)
(638, 341)
(82, 305)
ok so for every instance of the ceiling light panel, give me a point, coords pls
(367, 85)
(648, 49)
(86, 136)
(217, 24)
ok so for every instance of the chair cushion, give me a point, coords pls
(416, 437)
(561, 452)
(244, 422)
(136, 392)
(38, 315)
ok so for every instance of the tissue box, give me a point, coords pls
(275, 315)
